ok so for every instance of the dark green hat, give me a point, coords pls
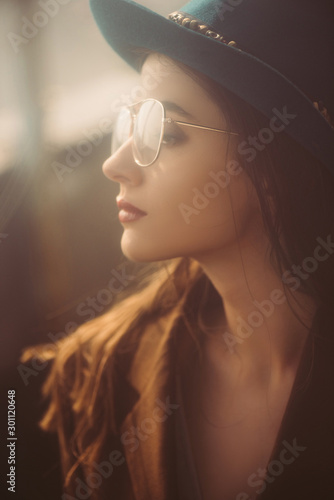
(276, 55)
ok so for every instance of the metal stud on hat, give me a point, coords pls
(196, 25)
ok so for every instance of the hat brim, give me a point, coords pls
(126, 24)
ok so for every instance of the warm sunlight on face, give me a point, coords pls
(196, 196)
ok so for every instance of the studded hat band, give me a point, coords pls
(194, 24)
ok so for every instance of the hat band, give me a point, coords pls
(194, 24)
(191, 22)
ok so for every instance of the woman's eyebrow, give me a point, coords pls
(172, 106)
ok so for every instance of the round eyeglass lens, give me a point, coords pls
(122, 130)
(147, 132)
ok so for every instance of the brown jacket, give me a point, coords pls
(152, 457)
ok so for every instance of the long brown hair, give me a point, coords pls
(286, 177)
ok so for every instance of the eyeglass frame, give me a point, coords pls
(165, 120)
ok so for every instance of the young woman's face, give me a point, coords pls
(197, 198)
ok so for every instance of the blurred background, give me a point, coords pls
(60, 84)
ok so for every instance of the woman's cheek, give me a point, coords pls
(201, 199)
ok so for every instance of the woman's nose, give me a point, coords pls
(121, 166)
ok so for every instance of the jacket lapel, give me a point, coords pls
(306, 435)
(147, 433)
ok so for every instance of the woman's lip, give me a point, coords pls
(128, 212)
(128, 208)
(127, 216)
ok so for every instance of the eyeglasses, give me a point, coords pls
(145, 121)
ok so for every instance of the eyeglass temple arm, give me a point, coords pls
(169, 120)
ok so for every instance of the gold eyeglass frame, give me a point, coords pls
(131, 107)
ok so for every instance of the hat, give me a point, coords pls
(276, 55)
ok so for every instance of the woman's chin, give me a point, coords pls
(133, 255)
(136, 252)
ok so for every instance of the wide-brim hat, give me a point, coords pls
(275, 55)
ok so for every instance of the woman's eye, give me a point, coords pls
(169, 139)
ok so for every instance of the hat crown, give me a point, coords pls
(296, 38)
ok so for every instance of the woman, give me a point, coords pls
(214, 382)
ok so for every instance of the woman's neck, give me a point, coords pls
(257, 329)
